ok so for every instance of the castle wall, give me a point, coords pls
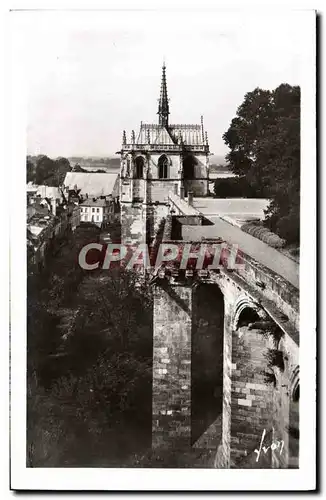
(171, 427)
(253, 405)
(251, 400)
(159, 190)
(206, 358)
(133, 223)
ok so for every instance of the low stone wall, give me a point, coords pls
(182, 207)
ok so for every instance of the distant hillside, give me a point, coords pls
(95, 163)
(217, 160)
(218, 163)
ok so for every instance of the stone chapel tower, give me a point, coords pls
(160, 159)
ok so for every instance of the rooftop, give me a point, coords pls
(165, 134)
(42, 191)
(39, 219)
(191, 135)
(93, 184)
(91, 202)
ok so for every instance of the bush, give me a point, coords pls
(234, 187)
(284, 219)
(257, 230)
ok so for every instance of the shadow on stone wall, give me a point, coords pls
(207, 358)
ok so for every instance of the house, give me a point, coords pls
(35, 193)
(51, 192)
(48, 226)
(97, 210)
(40, 232)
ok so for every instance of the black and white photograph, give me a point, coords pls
(164, 222)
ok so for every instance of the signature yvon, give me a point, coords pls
(277, 444)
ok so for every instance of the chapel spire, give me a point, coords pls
(163, 107)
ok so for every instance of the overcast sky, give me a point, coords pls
(91, 75)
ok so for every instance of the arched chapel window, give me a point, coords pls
(139, 167)
(163, 164)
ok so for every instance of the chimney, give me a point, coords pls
(54, 206)
(182, 192)
(190, 197)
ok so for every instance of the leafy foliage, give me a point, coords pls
(30, 170)
(264, 142)
(45, 171)
(89, 378)
(257, 230)
(234, 187)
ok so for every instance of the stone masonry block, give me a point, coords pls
(244, 402)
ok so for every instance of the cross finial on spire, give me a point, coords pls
(163, 107)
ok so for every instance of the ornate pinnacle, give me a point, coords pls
(163, 107)
(124, 138)
(133, 138)
(202, 128)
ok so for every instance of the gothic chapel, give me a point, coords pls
(160, 159)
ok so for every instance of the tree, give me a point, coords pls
(44, 169)
(264, 142)
(30, 170)
(234, 187)
(49, 172)
(61, 167)
(100, 390)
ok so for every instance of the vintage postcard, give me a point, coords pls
(163, 241)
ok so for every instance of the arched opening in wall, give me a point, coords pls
(139, 167)
(163, 164)
(247, 316)
(206, 359)
(294, 433)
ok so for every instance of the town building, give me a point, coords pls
(96, 210)
(48, 226)
(161, 158)
(37, 192)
